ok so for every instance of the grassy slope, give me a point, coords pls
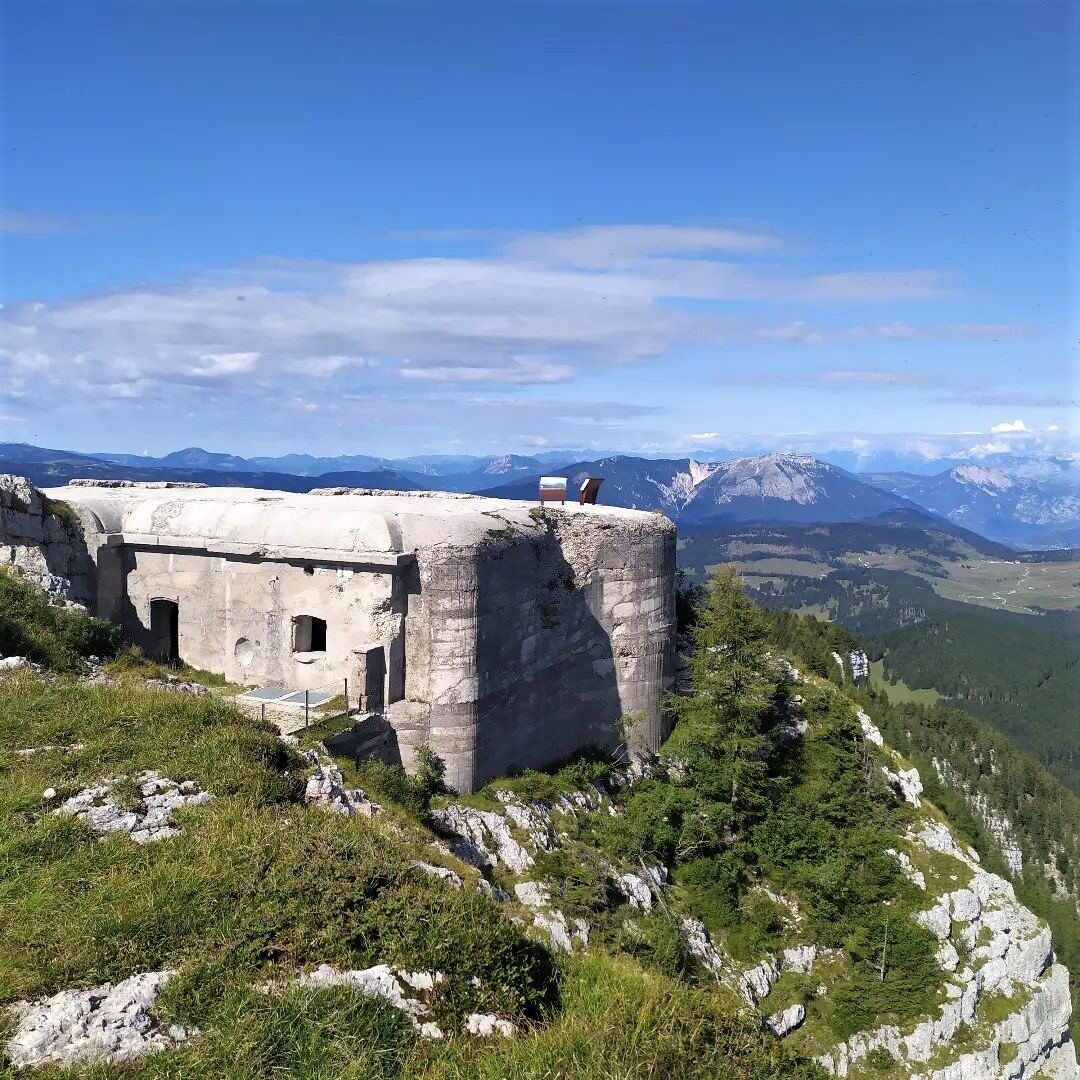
(258, 886)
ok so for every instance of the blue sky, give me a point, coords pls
(406, 228)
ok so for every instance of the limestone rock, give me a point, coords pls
(531, 819)
(915, 876)
(493, 892)
(799, 959)
(481, 838)
(697, 942)
(486, 1025)
(452, 879)
(113, 1023)
(533, 894)
(150, 819)
(640, 889)
(756, 982)
(553, 923)
(780, 1023)
(405, 990)
(326, 788)
(41, 547)
(869, 729)
(907, 782)
(1010, 954)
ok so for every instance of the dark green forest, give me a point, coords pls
(1018, 673)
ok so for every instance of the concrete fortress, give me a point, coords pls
(503, 636)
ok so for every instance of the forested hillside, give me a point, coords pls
(1019, 673)
(1023, 821)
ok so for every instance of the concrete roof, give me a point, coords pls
(332, 523)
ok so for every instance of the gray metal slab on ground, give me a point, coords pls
(268, 693)
(314, 697)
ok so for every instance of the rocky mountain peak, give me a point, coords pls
(991, 480)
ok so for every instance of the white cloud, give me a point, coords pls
(986, 449)
(602, 245)
(540, 309)
(436, 344)
(1013, 425)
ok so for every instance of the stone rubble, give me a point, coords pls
(150, 820)
(409, 991)
(326, 787)
(179, 686)
(112, 1023)
(30, 751)
(486, 1024)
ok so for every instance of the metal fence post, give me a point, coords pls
(263, 710)
(306, 709)
(346, 696)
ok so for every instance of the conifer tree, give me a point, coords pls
(731, 707)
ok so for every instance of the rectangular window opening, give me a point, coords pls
(309, 634)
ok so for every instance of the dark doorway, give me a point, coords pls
(165, 630)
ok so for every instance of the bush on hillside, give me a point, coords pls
(61, 638)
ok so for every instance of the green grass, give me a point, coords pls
(1011, 586)
(899, 692)
(258, 886)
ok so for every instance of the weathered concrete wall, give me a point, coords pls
(524, 650)
(41, 546)
(236, 614)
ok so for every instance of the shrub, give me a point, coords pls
(58, 637)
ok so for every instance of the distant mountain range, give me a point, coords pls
(771, 487)
(1024, 503)
(1015, 507)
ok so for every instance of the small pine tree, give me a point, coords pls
(731, 708)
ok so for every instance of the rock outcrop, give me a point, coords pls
(994, 950)
(148, 817)
(113, 1023)
(41, 546)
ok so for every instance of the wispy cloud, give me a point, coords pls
(21, 224)
(833, 377)
(536, 310)
(810, 334)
